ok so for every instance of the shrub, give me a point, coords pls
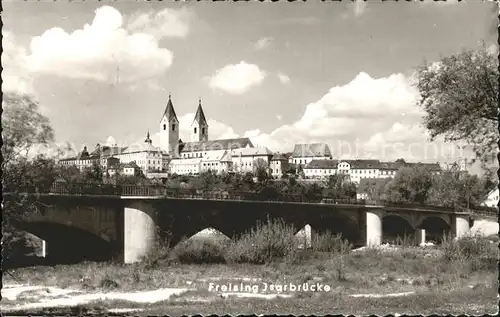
(108, 283)
(470, 253)
(264, 244)
(160, 251)
(328, 242)
(197, 251)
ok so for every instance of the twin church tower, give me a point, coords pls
(169, 128)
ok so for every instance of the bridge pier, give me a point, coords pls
(373, 227)
(139, 232)
(44, 249)
(305, 237)
(419, 236)
(460, 226)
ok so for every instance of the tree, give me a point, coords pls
(23, 129)
(300, 171)
(460, 97)
(94, 174)
(261, 170)
(456, 187)
(338, 186)
(23, 126)
(410, 184)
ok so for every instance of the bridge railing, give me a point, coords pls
(84, 189)
(187, 193)
(146, 190)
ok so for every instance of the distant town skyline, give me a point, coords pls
(280, 74)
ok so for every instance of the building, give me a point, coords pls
(128, 169)
(149, 158)
(320, 168)
(247, 160)
(303, 154)
(202, 154)
(279, 165)
(357, 170)
(491, 199)
(100, 156)
(169, 129)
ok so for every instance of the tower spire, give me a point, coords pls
(169, 110)
(148, 139)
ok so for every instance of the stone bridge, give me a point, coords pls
(97, 226)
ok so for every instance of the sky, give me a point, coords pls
(280, 73)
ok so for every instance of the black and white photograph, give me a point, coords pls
(250, 157)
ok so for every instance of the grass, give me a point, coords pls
(440, 275)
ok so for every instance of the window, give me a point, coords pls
(203, 131)
(194, 129)
(164, 127)
(173, 127)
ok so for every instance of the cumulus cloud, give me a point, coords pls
(237, 78)
(104, 50)
(15, 76)
(367, 117)
(263, 43)
(165, 23)
(284, 79)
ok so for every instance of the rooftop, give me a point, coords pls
(258, 151)
(213, 145)
(311, 150)
(322, 164)
(169, 110)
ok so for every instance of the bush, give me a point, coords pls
(160, 251)
(328, 242)
(108, 283)
(196, 251)
(472, 253)
(266, 243)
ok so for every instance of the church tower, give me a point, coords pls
(169, 129)
(199, 128)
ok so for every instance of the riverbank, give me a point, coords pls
(386, 280)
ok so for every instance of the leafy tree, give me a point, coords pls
(460, 97)
(94, 174)
(300, 171)
(208, 180)
(71, 174)
(339, 186)
(23, 129)
(400, 161)
(314, 192)
(290, 171)
(376, 189)
(456, 187)
(410, 184)
(261, 170)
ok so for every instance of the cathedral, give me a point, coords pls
(201, 154)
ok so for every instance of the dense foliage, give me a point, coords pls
(460, 97)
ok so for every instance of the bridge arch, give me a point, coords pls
(347, 225)
(396, 226)
(70, 244)
(435, 227)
